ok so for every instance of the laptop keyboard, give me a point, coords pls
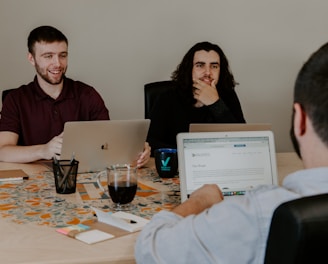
(229, 193)
(233, 193)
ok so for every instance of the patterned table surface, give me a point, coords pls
(35, 200)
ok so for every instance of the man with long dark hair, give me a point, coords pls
(203, 93)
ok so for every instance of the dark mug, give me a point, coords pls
(166, 161)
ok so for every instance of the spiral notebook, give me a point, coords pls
(237, 161)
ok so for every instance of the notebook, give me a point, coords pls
(99, 144)
(237, 161)
(218, 127)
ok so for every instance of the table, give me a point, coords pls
(28, 225)
(30, 211)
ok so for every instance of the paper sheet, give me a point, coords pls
(123, 220)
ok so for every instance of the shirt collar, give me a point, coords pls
(308, 181)
(41, 95)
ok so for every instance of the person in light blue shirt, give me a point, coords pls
(208, 229)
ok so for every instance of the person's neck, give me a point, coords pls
(53, 90)
(315, 154)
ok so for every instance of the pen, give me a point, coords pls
(129, 221)
(69, 171)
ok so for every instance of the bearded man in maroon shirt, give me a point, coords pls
(33, 115)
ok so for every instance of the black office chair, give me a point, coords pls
(299, 232)
(152, 91)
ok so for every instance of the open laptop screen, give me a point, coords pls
(236, 161)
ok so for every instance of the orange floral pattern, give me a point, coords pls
(35, 200)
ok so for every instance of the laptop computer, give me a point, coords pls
(237, 161)
(99, 144)
(218, 127)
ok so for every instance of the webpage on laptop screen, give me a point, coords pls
(235, 164)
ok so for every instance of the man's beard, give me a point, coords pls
(294, 139)
(46, 78)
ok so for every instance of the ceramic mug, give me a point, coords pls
(166, 161)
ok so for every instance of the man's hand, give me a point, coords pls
(200, 200)
(205, 94)
(11, 152)
(209, 194)
(53, 147)
(144, 157)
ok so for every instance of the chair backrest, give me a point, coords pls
(5, 93)
(152, 91)
(299, 232)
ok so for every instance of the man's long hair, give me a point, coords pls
(183, 73)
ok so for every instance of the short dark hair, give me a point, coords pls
(183, 73)
(47, 34)
(311, 91)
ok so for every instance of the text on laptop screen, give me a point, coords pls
(234, 163)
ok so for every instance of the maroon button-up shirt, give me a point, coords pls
(37, 118)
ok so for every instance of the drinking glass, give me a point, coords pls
(122, 185)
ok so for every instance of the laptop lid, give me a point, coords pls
(237, 161)
(218, 127)
(99, 144)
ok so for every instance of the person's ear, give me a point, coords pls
(299, 120)
(31, 58)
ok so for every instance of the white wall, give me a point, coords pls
(118, 46)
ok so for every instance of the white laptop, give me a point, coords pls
(237, 161)
(218, 127)
(99, 144)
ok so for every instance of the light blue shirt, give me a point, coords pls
(233, 231)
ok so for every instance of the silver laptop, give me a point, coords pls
(98, 144)
(218, 127)
(237, 161)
